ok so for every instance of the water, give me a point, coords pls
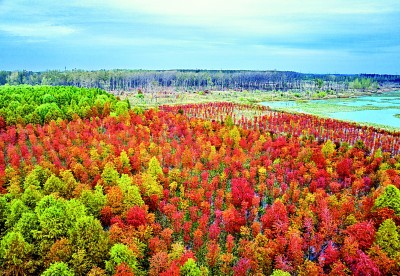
(377, 109)
(381, 117)
(281, 104)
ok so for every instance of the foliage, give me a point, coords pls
(15, 254)
(190, 268)
(87, 234)
(154, 168)
(278, 272)
(192, 80)
(387, 237)
(40, 104)
(169, 193)
(58, 269)
(94, 200)
(119, 254)
(390, 198)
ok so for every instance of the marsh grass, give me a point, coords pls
(153, 99)
(316, 107)
(174, 98)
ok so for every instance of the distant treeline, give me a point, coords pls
(113, 80)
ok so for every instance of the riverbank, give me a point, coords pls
(379, 109)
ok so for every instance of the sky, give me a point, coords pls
(308, 36)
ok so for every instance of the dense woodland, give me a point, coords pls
(192, 190)
(41, 104)
(126, 80)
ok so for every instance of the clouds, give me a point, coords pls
(248, 34)
(256, 16)
(37, 30)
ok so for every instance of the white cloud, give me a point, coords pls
(249, 8)
(37, 30)
(110, 40)
(258, 17)
(294, 52)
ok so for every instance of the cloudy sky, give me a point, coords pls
(321, 36)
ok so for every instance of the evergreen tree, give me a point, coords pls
(190, 268)
(58, 269)
(120, 253)
(390, 198)
(387, 238)
(15, 254)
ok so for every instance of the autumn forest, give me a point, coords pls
(90, 185)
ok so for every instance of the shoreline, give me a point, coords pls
(318, 109)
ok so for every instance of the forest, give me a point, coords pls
(126, 80)
(92, 186)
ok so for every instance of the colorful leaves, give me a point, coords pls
(136, 216)
(363, 232)
(276, 218)
(58, 268)
(15, 254)
(242, 193)
(121, 254)
(168, 188)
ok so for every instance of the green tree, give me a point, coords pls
(390, 198)
(234, 134)
(74, 210)
(14, 78)
(110, 175)
(387, 238)
(154, 168)
(3, 213)
(365, 83)
(121, 108)
(88, 238)
(53, 114)
(15, 254)
(319, 83)
(16, 210)
(124, 160)
(355, 84)
(69, 181)
(229, 121)
(152, 186)
(58, 269)
(80, 262)
(278, 272)
(190, 268)
(130, 191)
(31, 196)
(48, 111)
(120, 253)
(328, 148)
(48, 98)
(27, 225)
(55, 185)
(37, 177)
(57, 216)
(94, 200)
